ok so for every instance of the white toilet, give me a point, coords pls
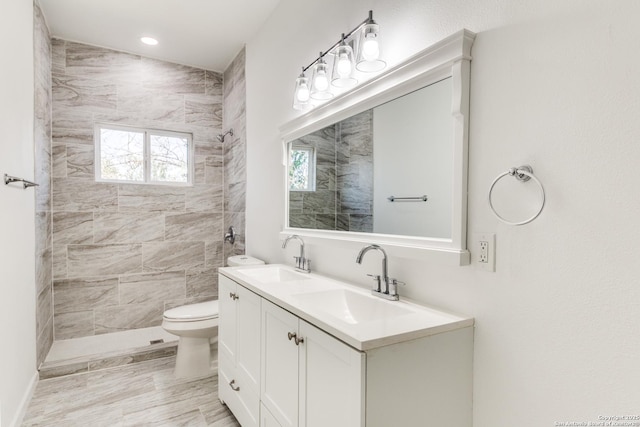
(196, 324)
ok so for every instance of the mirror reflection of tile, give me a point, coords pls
(343, 196)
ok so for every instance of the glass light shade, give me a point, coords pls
(301, 94)
(343, 66)
(369, 49)
(320, 81)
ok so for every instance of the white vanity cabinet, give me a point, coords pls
(239, 351)
(283, 366)
(266, 419)
(309, 378)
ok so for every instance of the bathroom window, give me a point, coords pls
(143, 156)
(302, 166)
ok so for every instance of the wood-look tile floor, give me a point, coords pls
(141, 394)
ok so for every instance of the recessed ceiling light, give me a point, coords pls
(149, 40)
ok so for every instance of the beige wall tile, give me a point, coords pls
(72, 227)
(80, 194)
(101, 260)
(151, 198)
(84, 294)
(202, 283)
(152, 287)
(173, 256)
(194, 226)
(133, 316)
(73, 325)
(128, 227)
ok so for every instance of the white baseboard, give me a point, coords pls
(24, 403)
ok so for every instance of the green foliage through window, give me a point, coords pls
(302, 169)
(143, 155)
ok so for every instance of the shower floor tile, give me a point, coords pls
(98, 352)
(106, 344)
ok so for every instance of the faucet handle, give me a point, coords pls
(303, 264)
(376, 277)
(393, 285)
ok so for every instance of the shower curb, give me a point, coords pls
(97, 362)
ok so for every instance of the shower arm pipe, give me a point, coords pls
(344, 37)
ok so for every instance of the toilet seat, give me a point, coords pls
(193, 312)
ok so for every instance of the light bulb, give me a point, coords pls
(303, 93)
(322, 82)
(344, 65)
(370, 49)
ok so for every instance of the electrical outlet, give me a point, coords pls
(484, 252)
(485, 248)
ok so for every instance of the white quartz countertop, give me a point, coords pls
(348, 312)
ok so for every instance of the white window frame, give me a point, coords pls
(311, 177)
(146, 154)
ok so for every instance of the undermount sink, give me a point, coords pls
(273, 274)
(351, 307)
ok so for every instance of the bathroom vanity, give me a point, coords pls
(301, 349)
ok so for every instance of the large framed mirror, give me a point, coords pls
(387, 162)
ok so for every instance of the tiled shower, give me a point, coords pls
(113, 257)
(344, 180)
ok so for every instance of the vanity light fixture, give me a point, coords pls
(343, 66)
(369, 52)
(365, 37)
(320, 81)
(302, 93)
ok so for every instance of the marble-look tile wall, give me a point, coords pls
(354, 173)
(235, 153)
(123, 253)
(42, 147)
(343, 199)
(318, 209)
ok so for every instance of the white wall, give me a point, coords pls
(553, 84)
(17, 250)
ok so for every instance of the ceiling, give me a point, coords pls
(202, 33)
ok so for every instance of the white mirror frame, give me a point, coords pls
(451, 57)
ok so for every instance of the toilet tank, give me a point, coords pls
(238, 260)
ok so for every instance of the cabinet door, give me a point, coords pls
(279, 368)
(266, 419)
(239, 351)
(332, 381)
(248, 339)
(227, 318)
(226, 340)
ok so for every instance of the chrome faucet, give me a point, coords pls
(302, 264)
(390, 285)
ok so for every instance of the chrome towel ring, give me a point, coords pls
(523, 174)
